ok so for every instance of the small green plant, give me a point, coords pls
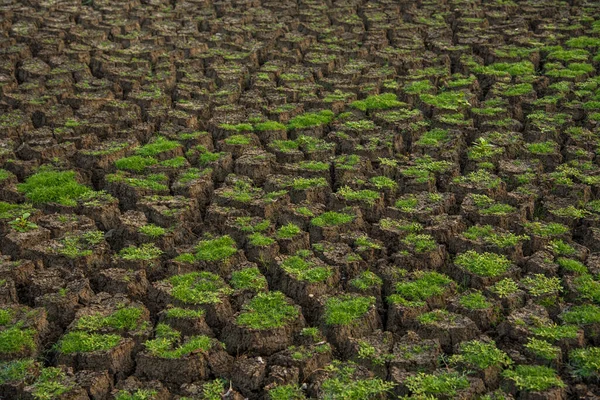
(17, 370)
(51, 384)
(483, 264)
(152, 231)
(22, 223)
(84, 342)
(342, 384)
(346, 309)
(505, 288)
(476, 354)
(555, 332)
(146, 251)
(546, 229)
(445, 383)
(488, 235)
(367, 196)
(214, 390)
(311, 119)
(16, 339)
(159, 145)
(582, 315)
(138, 394)
(534, 378)
(260, 240)
(267, 311)
(288, 231)
(304, 270)
(474, 301)
(539, 284)
(332, 218)
(366, 280)
(165, 345)
(585, 363)
(542, 349)
(420, 243)
(426, 285)
(286, 392)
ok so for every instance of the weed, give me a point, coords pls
(344, 385)
(146, 251)
(165, 343)
(17, 370)
(366, 280)
(483, 264)
(260, 240)
(539, 284)
(534, 378)
(505, 288)
(288, 231)
(50, 384)
(16, 339)
(582, 315)
(311, 119)
(49, 186)
(159, 145)
(420, 243)
(304, 270)
(445, 383)
(126, 318)
(377, 102)
(216, 249)
(83, 342)
(367, 196)
(474, 301)
(152, 231)
(480, 355)
(198, 288)
(267, 311)
(585, 362)
(248, 279)
(22, 223)
(286, 392)
(332, 218)
(542, 349)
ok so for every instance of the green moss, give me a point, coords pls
(267, 311)
(239, 140)
(446, 100)
(366, 280)
(306, 183)
(346, 309)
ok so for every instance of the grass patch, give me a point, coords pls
(483, 264)
(216, 249)
(84, 342)
(49, 186)
(199, 288)
(248, 279)
(267, 311)
(346, 309)
(332, 218)
(534, 378)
